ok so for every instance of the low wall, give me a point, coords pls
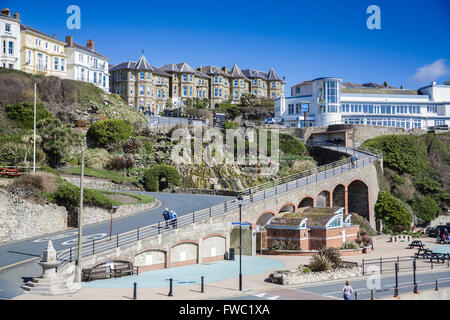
(92, 215)
(297, 277)
(345, 252)
(441, 294)
(22, 219)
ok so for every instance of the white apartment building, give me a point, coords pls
(87, 65)
(41, 53)
(329, 101)
(9, 39)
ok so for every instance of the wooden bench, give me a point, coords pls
(125, 267)
(98, 272)
(439, 256)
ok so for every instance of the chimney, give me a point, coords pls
(6, 12)
(69, 41)
(225, 69)
(90, 45)
(54, 36)
(16, 15)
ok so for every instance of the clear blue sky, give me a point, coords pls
(301, 39)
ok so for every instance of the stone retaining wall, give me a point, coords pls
(297, 277)
(93, 215)
(99, 184)
(22, 219)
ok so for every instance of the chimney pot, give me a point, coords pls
(69, 41)
(90, 44)
(6, 12)
(16, 15)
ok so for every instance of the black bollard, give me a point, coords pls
(371, 294)
(135, 291)
(356, 295)
(203, 284)
(170, 290)
(436, 288)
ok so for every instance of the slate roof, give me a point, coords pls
(252, 73)
(179, 68)
(27, 28)
(213, 70)
(272, 75)
(237, 73)
(79, 46)
(141, 65)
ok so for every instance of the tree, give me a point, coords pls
(105, 132)
(249, 100)
(425, 209)
(22, 113)
(56, 140)
(393, 212)
(160, 177)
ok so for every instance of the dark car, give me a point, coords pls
(432, 232)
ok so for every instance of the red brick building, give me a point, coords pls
(312, 228)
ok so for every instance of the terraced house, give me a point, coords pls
(41, 53)
(9, 39)
(141, 85)
(146, 87)
(186, 83)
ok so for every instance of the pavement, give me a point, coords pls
(221, 280)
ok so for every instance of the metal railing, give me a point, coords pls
(250, 196)
(405, 263)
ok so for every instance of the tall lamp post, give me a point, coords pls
(240, 242)
(80, 219)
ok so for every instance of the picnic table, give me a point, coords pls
(416, 243)
(5, 172)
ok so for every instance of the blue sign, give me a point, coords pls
(243, 223)
(305, 107)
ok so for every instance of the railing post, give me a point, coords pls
(356, 295)
(225, 207)
(134, 291)
(70, 254)
(170, 288)
(436, 287)
(138, 234)
(203, 284)
(93, 246)
(193, 217)
(117, 240)
(159, 229)
(381, 265)
(210, 212)
(363, 266)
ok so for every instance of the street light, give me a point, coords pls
(240, 241)
(112, 211)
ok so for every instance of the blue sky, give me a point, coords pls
(301, 39)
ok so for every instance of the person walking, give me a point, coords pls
(353, 159)
(166, 215)
(438, 235)
(347, 290)
(173, 218)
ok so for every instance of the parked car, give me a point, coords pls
(432, 232)
(270, 121)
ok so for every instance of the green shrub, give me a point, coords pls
(319, 263)
(425, 209)
(393, 212)
(350, 245)
(290, 145)
(105, 132)
(333, 255)
(306, 270)
(97, 158)
(153, 176)
(230, 125)
(22, 113)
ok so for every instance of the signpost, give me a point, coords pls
(305, 109)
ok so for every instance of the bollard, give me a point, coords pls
(170, 290)
(203, 284)
(356, 295)
(436, 288)
(134, 291)
(395, 292)
(371, 294)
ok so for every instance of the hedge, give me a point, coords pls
(105, 132)
(153, 176)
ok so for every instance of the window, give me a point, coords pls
(142, 75)
(148, 76)
(235, 83)
(185, 78)
(291, 108)
(4, 47)
(163, 93)
(220, 79)
(215, 92)
(63, 62)
(11, 47)
(7, 27)
(159, 93)
(220, 92)
(95, 77)
(190, 91)
(273, 84)
(29, 57)
(184, 91)
(104, 81)
(331, 91)
(190, 77)
(236, 94)
(255, 82)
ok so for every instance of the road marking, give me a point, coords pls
(400, 283)
(56, 237)
(91, 237)
(273, 298)
(260, 295)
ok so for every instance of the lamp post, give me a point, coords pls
(80, 219)
(240, 242)
(112, 211)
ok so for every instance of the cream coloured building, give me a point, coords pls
(9, 39)
(41, 53)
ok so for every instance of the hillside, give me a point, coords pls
(73, 102)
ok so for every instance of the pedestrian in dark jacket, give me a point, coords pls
(166, 215)
(173, 218)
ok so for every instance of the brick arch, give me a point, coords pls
(339, 195)
(359, 198)
(287, 204)
(184, 241)
(265, 212)
(312, 202)
(159, 248)
(221, 235)
(327, 201)
(153, 266)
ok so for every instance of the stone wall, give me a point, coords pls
(92, 215)
(99, 184)
(22, 219)
(298, 277)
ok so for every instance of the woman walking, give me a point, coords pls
(348, 290)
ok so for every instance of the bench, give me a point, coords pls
(124, 267)
(439, 256)
(425, 254)
(98, 272)
(416, 243)
(401, 237)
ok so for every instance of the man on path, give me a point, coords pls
(173, 217)
(166, 215)
(347, 290)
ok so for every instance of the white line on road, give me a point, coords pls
(273, 298)
(260, 295)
